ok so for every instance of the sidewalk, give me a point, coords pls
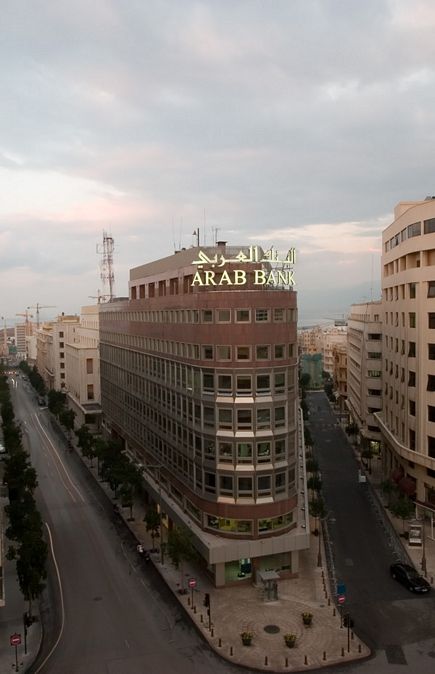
(238, 609)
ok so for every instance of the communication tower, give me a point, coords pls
(107, 274)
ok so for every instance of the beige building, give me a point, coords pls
(82, 365)
(364, 371)
(408, 285)
(339, 354)
(322, 340)
(51, 340)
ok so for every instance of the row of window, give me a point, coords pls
(393, 318)
(409, 232)
(186, 316)
(412, 381)
(398, 292)
(233, 526)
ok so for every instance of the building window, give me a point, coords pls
(431, 446)
(226, 484)
(225, 384)
(263, 417)
(62, 376)
(412, 408)
(412, 319)
(431, 288)
(279, 482)
(412, 439)
(210, 482)
(244, 384)
(264, 484)
(411, 350)
(414, 229)
(243, 352)
(431, 320)
(243, 315)
(60, 334)
(223, 315)
(208, 381)
(208, 416)
(223, 352)
(263, 451)
(429, 226)
(225, 417)
(207, 352)
(62, 366)
(431, 351)
(279, 351)
(244, 418)
(279, 447)
(431, 382)
(61, 345)
(90, 391)
(279, 416)
(279, 380)
(412, 289)
(89, 366)
(278, 315)
(244, 451)
(262, 352)
(261, 315)
(263, 383)
(411, 378)
(207, 316)
(225, 452)
(245, 486)
(431, 413)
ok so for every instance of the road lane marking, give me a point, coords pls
(73, 485)
(62, 606)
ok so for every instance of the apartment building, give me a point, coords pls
(364, 371)
(407, 419)
(82, 367)
(339, 375)
(199, 381)
(51, 339)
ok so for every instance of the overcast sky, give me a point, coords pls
(287, 123)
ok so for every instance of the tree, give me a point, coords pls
(312, 466)
(317, 509)
(403, 508)
(19, 475)
(181, 549)
(367, 453)
(86, 442)
(304, 380)
(23, 517)
(152, 519)
(31, 567)
(314, 483)
(388, 488)
(56, 402)
(66, 418)
(307, 437)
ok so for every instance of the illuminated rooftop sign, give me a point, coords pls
(276, 272)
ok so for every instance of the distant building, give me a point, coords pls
(312, 364)
(364, 371)
(51, 339)
(339, 376)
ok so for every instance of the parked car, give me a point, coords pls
(2, 450)
(409, 577)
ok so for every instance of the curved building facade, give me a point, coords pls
(199, 379)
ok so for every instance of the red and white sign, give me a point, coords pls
(341, 598)
(192, 583)
(15, 639)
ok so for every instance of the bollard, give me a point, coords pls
(342, 652)
(194, 609)
(333, 612)
(286, 662)
(266, 661)
(329, 602)
(220, 642)
(359, 648)
(306, 660)
(324, 655)
(212, 632)
(431, 580)
(231, 650)
(188, 601)
(351, 635)
(201, 618)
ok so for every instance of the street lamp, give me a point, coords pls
(423, 557)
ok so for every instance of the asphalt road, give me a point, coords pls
(114, 616)
(387, 616)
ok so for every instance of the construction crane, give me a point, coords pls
(26, 315)
(41, 306)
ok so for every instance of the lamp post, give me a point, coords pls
(423, 557)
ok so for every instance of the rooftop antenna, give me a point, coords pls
(107, 274)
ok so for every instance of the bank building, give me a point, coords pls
(199, 381)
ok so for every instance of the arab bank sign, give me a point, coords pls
(275, 272)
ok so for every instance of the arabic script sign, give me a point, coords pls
(282, 274)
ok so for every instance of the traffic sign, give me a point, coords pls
(15, 639)
(341, 598)
(192, 583)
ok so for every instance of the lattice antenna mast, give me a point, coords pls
(107, 274)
